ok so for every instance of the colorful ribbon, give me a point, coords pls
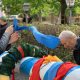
(22, 52)
(47, 40)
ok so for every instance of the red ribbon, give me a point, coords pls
(21, 50)
(13, 77)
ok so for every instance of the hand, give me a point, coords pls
(14, 37)
(9, 30)
(19, 20)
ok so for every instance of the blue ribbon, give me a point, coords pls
(72, 69)
(51, 73)
(27, 65)
(47, 40)
(3, 54)
(12, 57)
(9, 54)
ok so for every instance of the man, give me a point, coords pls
(29, 19)
(71, 41)
(4, 26)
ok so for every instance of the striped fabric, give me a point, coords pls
(27, 64)
(49, 70)
(2, 55)
(52, 70)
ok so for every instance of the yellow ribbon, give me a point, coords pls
(51, 58)
(3, 77)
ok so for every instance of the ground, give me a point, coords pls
(20, 76)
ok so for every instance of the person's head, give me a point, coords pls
(68, 39)
(28, 15)
(3, 20)
(23, 15)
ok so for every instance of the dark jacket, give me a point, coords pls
(76, 51)
(2, 30)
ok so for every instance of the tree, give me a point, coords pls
(42, 7)
(16, 6)
(36, 6)
(60, 5)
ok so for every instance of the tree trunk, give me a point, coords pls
(52, 18)
(40, 17)
(63, 8)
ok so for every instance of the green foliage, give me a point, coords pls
(51, 52)
(46, 6)
(21, 24)
(56, 6)
(7, 65)
(67, 11)
(8, 62)
(74, 25)
(33, 50)
(16, 6)
(68, 58)
(77, 9)
(25, 32)
(21, 41)
(15, 51)
(24, 49)
(35, 6)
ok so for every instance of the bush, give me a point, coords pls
(60, 51)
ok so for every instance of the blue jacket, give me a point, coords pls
(76, 51)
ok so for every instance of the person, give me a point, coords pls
(5, 39)
(4, 26)
(23, 19)
(71, 41)
(29, 18)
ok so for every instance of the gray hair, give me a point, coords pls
(66, 34)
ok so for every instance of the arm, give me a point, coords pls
(4, 42)
(5, 39)
(19, 20)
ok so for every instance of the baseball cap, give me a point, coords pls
(3, 18)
